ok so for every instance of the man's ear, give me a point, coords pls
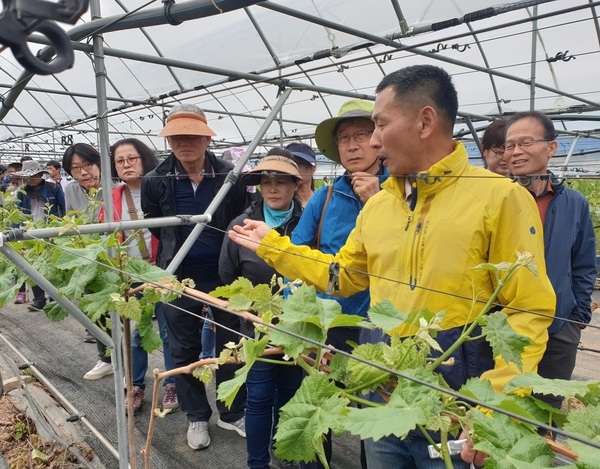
(553, 146)
(427, 121)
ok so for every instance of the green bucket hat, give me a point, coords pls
(324, 132)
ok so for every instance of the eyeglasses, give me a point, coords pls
(509, 147)
(131, 160)
(498, 152)
(360, 136)
(87, 167)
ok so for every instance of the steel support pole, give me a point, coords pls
(117, 333)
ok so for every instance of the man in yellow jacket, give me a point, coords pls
(416, 241)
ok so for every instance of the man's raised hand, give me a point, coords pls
(250, 235)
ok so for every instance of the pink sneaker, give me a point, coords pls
(138, 400)
(20, 299)
(170, 401)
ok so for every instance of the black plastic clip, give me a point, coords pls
(168, 4)
(19, 19)
(334, 278)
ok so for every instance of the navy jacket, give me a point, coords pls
(158, 200)
(570, 253)
(52, 195)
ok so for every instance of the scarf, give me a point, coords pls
(276, 218)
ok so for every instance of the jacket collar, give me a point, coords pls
(442, 174)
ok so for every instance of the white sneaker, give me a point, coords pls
(238, 426)
(101, 370)
(197, 435)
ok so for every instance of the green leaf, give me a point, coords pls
(75, 257)
(410, 405)
(385, 316)
(239, 302)
(150, 338)
(241, 286)
(268, 303)
(345, 320)
(504, 340)
(37, 454)
(525, 406)
(307, 417)
(98, 304)
(130, 309)
(55, 312)
(585, 423)
(81, 277)
(142, 271)
(303, 305)
(361, 373)
(510, 445)
(251, 350)
(106, 280)
(292, 346)
(502, 266)
(533, 382)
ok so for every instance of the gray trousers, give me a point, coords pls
(558, 361)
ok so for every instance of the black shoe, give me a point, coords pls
(89, 338)
(37, 306)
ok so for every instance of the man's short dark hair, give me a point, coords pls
(55, 164)
(85, 151)
(16, 165)
(547, 124)
(423, 85)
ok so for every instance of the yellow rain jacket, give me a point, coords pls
(422, 256)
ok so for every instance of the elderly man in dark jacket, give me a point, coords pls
(569, 240)
(185, 184)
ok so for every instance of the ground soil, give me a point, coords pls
(21, 446)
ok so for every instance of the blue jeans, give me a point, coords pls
(208, 336)
(269, 387)
(139, 357)
(411, 453)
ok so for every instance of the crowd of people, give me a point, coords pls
(408, 193)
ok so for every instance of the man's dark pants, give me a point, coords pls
(185, 338)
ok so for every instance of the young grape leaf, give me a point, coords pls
(150, 339)
(130, 309)
(292, 346)
(241, 286)
(525, 406)
(410, 404)
(239, 302)
(585, 423)
(55, 312)
(509, 445)
(79, 281)
(96, 305)
(307, 417)
(106, 280)
(362, 373)
(533, 382)
(385, 316)
(504, 340)
(302, 305)
(74, 257)
(268, 304)
(142, 271)
(251, 350)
